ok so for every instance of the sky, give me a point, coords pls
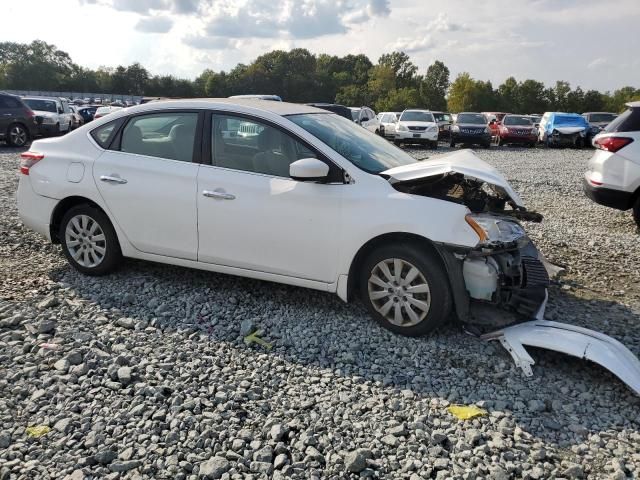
(593, 44)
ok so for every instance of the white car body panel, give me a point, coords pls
(573, 340)
(619, 170)
(464, 161)
(164, 219)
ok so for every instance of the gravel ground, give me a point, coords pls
(144, 374)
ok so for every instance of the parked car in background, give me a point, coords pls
(388, 121)
(470, 128)
(54, 112)
(517, 129)
(77, 120)
(87, 112)
(275, 98)
(597, 122)
(103, 111)
(379, 224)
(563, 129)
(366, 117)
(444, 120)
(417, 126)
(535, 119)
(18, 124)
(612, 178)
(335, 108)
(498, 115)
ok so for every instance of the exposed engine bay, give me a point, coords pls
(477, 195)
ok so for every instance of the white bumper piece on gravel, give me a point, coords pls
(572, 340)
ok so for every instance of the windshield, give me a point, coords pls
(409, 116)
(516, 120)
(569, 120)
(41, 105)
(442, 117)
(364, 149)
(602, 117)
(474, 118)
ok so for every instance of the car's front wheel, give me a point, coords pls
(89, 241)
(406, 289)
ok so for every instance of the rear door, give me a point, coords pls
(5, 115)
(148, 180)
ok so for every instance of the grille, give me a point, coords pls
(535, 275)
(417, 129)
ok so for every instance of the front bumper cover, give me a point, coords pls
(570, 339)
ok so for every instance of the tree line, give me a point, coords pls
(392, 84)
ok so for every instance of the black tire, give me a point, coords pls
(636, 212)
(17, 135)
(397, 143)
(434, 145)
(430, 267)
(452, 144)
(112, 254)
(56, 130)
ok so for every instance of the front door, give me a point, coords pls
(251, 215)
(148, 182)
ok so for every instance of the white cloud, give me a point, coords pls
(159, 24)
(411, 45)
(442, 24)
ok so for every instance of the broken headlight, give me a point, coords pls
(493, 230)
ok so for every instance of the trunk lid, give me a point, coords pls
(464, 162)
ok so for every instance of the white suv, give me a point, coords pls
(417, 126)
(311, 200)
(54, 112)
(613, 175)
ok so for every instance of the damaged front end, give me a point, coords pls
(504, 270)
(500, 286)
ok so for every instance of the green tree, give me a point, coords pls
(404, 69)
(509, 95)
(399, 99)
(532, 97)
(382, 80)
(434, 86)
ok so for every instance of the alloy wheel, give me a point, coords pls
(399, 292)
(18, 136)
(85, 241)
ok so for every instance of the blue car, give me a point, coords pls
(563, 129)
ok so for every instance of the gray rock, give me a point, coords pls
(247, 327)
(105, 457)
(536, 406)
(62, 365)
(356, 461)
(214, 468)
(277, 432)
(126, 322)
(390, 440)
(573, 471)
(265, 454)
(74, 357)
(124, 466)
(48, 302)
(280, 461)
(265, 468)
(47, 326)
(5, 439)
(63, 425)
(124, 375)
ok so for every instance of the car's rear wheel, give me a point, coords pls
(89, 241)
(452, 144)
(406, 289)
(17, 135)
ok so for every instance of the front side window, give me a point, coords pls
(163, 135)
(252, 146)
(601, 117)
(365, 150)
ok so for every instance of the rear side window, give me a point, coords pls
(162, 135)
(103, 134)
(9, 102)
(629, 121)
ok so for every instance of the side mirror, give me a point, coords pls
(309, 170)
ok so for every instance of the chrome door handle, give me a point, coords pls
(218, 194)
(110, 179)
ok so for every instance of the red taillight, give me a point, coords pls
(28, 160)
(612, 144)
(30, 113)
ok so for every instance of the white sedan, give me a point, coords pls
(307, 199)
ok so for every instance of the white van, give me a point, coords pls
(55, 114)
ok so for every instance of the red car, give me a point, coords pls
(517, 129)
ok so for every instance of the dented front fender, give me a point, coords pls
(573, 340)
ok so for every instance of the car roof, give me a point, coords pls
(591, 113)
(278, 108)
(416, 110)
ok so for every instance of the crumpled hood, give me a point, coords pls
(465, 162)
(569, 130)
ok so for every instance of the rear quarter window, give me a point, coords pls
(105, 133)
(629, 121)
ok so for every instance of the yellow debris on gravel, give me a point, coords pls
(38, 431)
(466, 412)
